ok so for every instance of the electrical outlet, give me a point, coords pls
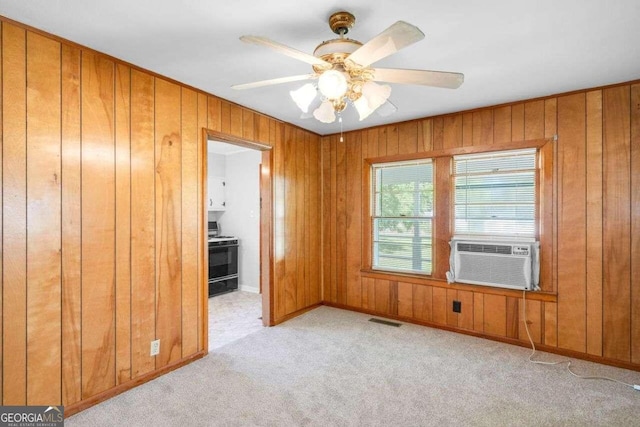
(457, 306)
(155, 347)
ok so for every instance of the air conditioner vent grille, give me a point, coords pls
(485, 248)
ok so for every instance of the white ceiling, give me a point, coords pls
(508, 50)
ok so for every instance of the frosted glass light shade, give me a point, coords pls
(375, 94)
(362, 105)
(304, 96)
(325, 112)
(332, 84)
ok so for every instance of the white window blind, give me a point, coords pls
(402, 216)
(495, 193)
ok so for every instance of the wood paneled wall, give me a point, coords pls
(102, 219)
(591, 238)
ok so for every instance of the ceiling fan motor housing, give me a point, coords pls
(341, 22)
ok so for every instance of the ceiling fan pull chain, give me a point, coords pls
(340, 121)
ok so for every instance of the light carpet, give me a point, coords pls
(332, 367)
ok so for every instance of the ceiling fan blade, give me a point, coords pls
(274, 81)
(285, 50)
(418, 77)
(391, 40)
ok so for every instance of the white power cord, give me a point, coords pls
(560, 362)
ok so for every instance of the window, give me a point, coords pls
(495, 193)
(402, 216)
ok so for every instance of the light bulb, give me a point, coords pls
(332, 84)
(304, 96)
(325, 112)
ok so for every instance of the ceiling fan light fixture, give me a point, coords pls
(325, 113)
(304, 96)
(333, 84)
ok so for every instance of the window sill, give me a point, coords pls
(424, 280)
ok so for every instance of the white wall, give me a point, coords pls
(242, 215)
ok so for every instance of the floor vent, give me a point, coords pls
(384, 322)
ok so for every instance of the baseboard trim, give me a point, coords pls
(506, 340)
(121, 388)
(251, 289)
(295, 314)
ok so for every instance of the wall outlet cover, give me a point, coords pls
(155, 347)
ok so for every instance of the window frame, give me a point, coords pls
(373, 217)
(443, 207)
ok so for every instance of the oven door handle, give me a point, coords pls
(224, 246)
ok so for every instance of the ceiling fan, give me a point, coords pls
(343, 69)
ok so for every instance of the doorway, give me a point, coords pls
(238, 216)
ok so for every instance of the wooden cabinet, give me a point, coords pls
(216, 194)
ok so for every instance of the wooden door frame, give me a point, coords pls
(266, 225)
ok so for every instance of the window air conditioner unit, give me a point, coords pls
(503, 264)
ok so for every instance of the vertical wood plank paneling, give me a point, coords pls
(14, 245)
(214, 116)
(517, 122)
(354, 219)
(550, 129)
(478, 312)
(71, 230)
(98, 221)
(225, 117)
(201, 292)
(439, 305)
(502, 124)
(495, 315)
(341, 222)
(452, 317)
(300, 149)
(168, 152)
(452, 131)
(382, 288)
(235, 118)
(483, 127)
(333, 216)
(616, 227)
(279, 218)
(594, 222)
(437, 125)
(393, 139)
(315, 222)
(551, 324)
(143, 266)
(467, 129)
(408, 137)
(123, 223)
(512, 317)
(405, 299)
(423, 302)
(327, 224)
(190, 219)
(534, 320)
(290, 167)
(306, 208)
(44, 352)
(572, 223)
(368, 293)
(263, 129)
(534, 120)
(426, 144)
(465, 318)
(635, 223)
(393, 298)
(248, 125)
(382, 141)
